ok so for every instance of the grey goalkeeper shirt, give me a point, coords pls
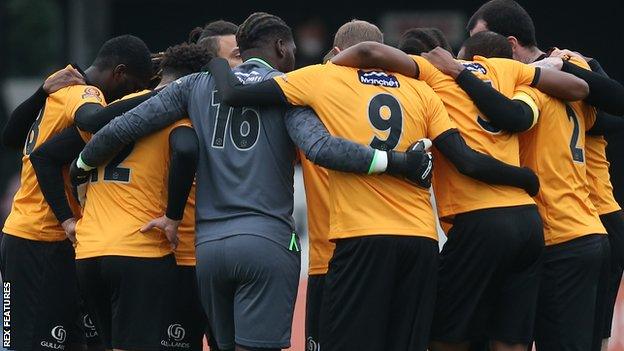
(246, 159)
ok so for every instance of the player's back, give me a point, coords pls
(124, 195)
(457, 193)
(247, 160)
(31, 217)
(384, 111)
(555, 149)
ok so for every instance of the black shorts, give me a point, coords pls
(314, 301)
(43, 293)
(570, 305)
(129, 298)
(614, 223)
(489, 276)
(379, 294)
(185, 330)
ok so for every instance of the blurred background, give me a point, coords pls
(38, 37)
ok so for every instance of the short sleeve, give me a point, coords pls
(521, 73)
(427, 72)
(533, 94)
(82, 94)
(299, 86)
(438, 119)
(579, 62)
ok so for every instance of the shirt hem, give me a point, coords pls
(142, 254)
(563, 239)
(450, 211)
(381, 231)
(26, 235)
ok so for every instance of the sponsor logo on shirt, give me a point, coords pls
(251, 77)
(475, 67)
(378, 78)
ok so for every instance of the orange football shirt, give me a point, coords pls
(123, 196)
(555, 150)
(185, 253)
(316, 183)
(385, 111)
(599, 180)
(456, 193)
(31, 217)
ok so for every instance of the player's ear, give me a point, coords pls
(280, 48)
(119, 71)
(513, 41)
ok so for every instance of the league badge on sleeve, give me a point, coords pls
(91, 92)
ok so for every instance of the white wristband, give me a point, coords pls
(82, 165)
(379, 162)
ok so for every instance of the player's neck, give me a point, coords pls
(257, 55)
(94, 77)
(528, 54)
(165, 80)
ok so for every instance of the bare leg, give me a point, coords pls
(605, 344)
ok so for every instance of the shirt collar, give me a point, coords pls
(259, 60)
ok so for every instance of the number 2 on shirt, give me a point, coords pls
(578, 155)
(385, 114)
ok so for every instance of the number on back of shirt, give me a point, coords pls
(33, 134)
(243, 123)
(113, 172)
(385, 116)
(578, 154)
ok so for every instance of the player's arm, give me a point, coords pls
(483, 167)
(184, 149)
(604, 93)
(596, 67)
(319, 146)
(16, 129)
(92, 117)
(48, 161)
(369, 55)
(606, 124)
(512, 115)
(161, 110)
(234, 93)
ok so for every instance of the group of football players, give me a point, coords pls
(156, 197)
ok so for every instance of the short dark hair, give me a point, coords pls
(129, 51)
(210, 33)
(487, 44)
(184, 59)
(217, 28)
(415, 41)
(439, 35)
(508, 18)
(259, 29)
(355, 32)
